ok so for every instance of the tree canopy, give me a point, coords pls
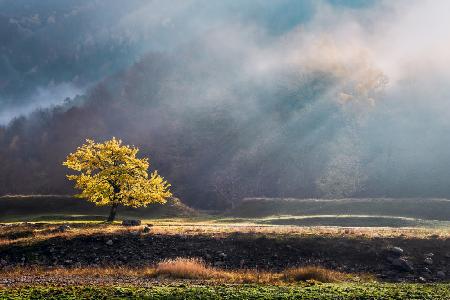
(111, 174)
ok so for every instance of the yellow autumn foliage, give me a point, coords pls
(111, 174)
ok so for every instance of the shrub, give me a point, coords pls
(186, 268)
(313, 273)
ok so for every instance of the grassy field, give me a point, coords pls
(419, 213)
(181, 279)
(417, 208)
(314, 291)
(42, 208)
(266, 249)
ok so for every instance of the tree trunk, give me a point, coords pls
(112, 214)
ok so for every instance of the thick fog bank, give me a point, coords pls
(275, 99)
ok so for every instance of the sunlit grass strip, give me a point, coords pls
(318, 292)
(190, 269)
(192, 228)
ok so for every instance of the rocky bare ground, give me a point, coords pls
(390, 259)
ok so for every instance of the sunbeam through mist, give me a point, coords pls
(232, 99)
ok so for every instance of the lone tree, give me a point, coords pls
(111, 174)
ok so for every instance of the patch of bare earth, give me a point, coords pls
(261, 249)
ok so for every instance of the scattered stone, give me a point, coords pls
(241, 263)
(403, 264)
(131, 222)
(428, 261)
(218, 264)
(422, 280)
(63, 228)
(125, 249)
(396, 251)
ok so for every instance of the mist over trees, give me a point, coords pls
(276, 144)
(234, 110)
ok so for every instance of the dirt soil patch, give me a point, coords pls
(236, 250)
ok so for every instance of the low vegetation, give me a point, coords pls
(314, 291)
(190, 269)
(62, 208)
(207, 257)
(187, 268)
(420, 208)
(313, 273)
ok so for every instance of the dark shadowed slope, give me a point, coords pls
(67, 208)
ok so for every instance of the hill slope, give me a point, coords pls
(429, 209)
(51, 207)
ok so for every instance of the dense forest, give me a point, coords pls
(228, 111)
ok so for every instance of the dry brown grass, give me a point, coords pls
(83, 272)
(194, 268)
(187, 268)
(313, 273)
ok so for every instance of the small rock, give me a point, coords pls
(241, 263)
(131, 222)
(109, 242)
(430, 255)
(218, 264)
(440, 275)
(421, 279)
(428, 261)
(403, 264)
(222, 255)
(146, 229)
(63, 228)
(397, 251)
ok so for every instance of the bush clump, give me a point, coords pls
(186, 268)
(313, 273)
